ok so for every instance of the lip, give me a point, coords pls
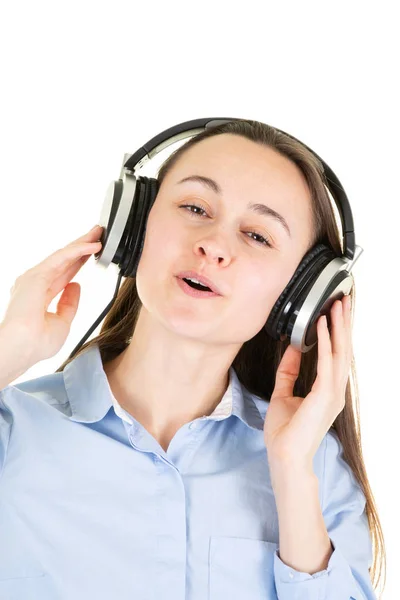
(200, 278)
(185, 287)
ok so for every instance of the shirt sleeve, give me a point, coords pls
(343, 507)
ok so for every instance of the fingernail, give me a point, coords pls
(95, 227)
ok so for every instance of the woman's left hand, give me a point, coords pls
(295, 427)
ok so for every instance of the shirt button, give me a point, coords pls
(192, 425)
(291, 575)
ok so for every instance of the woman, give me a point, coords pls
(183, 453)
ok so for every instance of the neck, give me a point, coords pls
(157, 378)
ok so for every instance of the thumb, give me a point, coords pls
(287, 372)
(69, 301)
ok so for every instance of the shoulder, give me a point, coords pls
(44, 391)
(48, 389)
(31, 396)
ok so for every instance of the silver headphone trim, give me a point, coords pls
(115, 234)
(313, 298)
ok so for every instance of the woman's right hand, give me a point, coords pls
(38, 333)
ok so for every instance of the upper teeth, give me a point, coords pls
(195, 280)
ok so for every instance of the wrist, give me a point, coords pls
(288, 474)
(290, 464)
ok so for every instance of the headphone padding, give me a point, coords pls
(151, 186)
(309, 267)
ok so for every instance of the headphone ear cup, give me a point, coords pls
(302, 280)
(145, 195)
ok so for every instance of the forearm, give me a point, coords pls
(304, 542)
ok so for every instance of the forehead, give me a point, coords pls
(229, 157)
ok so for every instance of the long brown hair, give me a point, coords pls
(258, 358)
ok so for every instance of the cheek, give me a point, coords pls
(258, 294)
(159, 239)
(160, 256)
(259, 282)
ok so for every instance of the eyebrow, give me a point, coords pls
(261, 209)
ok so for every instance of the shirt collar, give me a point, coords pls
(90, 395)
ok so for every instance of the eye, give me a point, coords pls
(264, 241)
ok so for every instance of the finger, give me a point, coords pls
(348, 323)
(67, 305)
(54, 265)
(342, 342)
(62, 281)
(347, 312)
(287, 372)
(324, 365)
(93, 235)
(348, 352)
(338, 334)
(324, 337)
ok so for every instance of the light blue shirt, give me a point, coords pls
(92, 508)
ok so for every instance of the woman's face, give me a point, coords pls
(224, 243)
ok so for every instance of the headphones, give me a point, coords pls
(320, 279)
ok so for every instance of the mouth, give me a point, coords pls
(198, 282)
(195, 290)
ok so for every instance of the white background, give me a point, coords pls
(85, 82)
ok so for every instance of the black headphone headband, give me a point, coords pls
(190, 128)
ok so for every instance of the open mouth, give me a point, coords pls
(197, 286)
